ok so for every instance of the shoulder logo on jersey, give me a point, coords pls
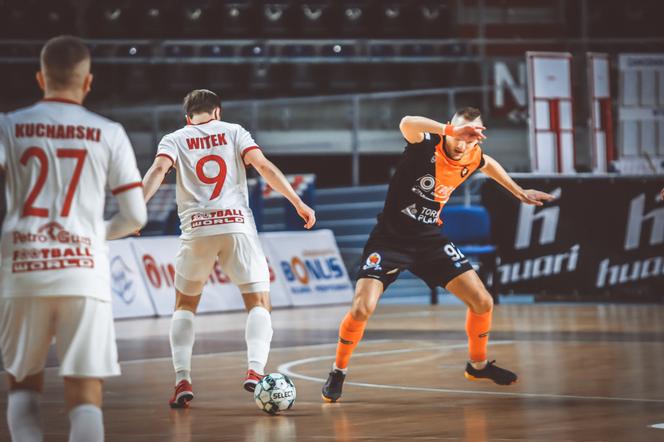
(373, 262)
(464, 171)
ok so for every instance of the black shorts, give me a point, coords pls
(435, 260)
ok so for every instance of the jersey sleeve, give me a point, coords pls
(428, 140)
(167, 148)
(244, 143)
(123, 173)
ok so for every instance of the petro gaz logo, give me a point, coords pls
(314, 270)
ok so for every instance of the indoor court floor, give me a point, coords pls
(587, 373)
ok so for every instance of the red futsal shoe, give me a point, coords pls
(182, 396)
(252, 379)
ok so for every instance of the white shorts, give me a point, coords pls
(83, 330)
(240, 256)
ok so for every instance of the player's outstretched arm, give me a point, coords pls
(278, 182)
(494, 170)
(414, 128)
(132, 215)
(155, 176)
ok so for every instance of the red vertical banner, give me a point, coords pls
(554, 122)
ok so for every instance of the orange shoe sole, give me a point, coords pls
(328, 400)
(470, 377)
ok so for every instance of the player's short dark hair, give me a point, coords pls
(59, 58)
(201, 101)
(468, 114)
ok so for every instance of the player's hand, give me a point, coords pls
(535, 197)
(307, 214)
(469, 132)
(661, 194)
(136, 233)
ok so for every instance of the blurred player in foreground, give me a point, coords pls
(438, 158)
(58, 159)
(210, 157)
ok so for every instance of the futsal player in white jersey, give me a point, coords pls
(58, 158)
(210, 157)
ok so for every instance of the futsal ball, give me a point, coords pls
(275, 393)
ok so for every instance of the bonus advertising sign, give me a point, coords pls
(600, 236)
(309, 266)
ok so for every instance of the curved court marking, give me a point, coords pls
(287, 370)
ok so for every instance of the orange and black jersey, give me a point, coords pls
(425, 178)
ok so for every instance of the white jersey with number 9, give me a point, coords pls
(211, 191)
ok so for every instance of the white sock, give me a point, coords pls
(24, 415)
(478, 365)
(343, 370)
(182, 343)
(258, 335)
(86, 424)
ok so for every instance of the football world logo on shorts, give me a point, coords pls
(373, 262)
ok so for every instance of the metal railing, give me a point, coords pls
(343, 124)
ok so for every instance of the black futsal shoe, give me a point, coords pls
(490, 373)
(333, 386)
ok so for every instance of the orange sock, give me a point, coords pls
(350, 334)
(477, 329)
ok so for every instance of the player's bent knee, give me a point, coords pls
(362, 308)
(484, 304)
(188, 287)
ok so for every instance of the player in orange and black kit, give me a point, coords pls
(438, 158)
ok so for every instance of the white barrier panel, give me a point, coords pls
(640, 111)
(129, 295)
(551, 120)
(305, 269)
(309, 266)
(156, 262)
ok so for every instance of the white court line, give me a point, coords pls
(286, 369)
(229, 353)
(657, 426)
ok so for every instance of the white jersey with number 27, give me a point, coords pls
(211, 190)
(59, 158)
